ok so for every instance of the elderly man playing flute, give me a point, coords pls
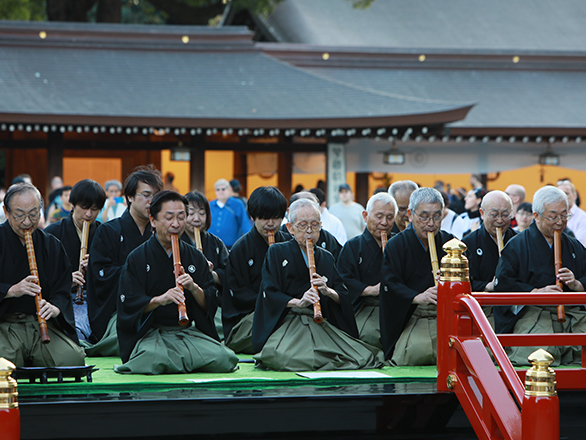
(485, 244)
(360, 264)
(151, 338)
(527, 265)
(408, 297)
(20, 337)
(285, 331)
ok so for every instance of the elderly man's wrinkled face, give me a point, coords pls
(497, 213)
(381, 218)
(426, 217)
(554, 218)
(307, 225)
(25, 213)
(402, 218)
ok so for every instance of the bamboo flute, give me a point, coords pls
(85, 232)
(433, 255)
(197, 236)
(499, 240)
(557, 258)
(317, 315)
(271, 237)
(383, 239)
(183, 319)
(32, 264)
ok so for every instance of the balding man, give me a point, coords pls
(20, 339)
(496, 211)
(527, 265)
(360, 265)
(408, 298)
(517, 194)
(401, 191)
(577, 222)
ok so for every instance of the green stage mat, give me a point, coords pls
(105, 380)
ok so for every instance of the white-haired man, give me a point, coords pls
(401, 191)
(360, 265)
(284, 333)
(408, 299)
(527, 265)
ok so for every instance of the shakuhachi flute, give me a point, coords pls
(499, 240)
(271, 237)
(383, 239)
(317, 315)
(557, 258)
(197, 236)
(183, 319)
(433, 255)
(32, 264)
(85, 232)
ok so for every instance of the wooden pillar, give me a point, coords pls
(361, 194)
(197, 166)
(285, 173)
(54, 159)
(241, 171)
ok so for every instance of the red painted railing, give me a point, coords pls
(492, 398)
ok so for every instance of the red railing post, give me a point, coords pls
(9, 413)
(453, 282)
(541, 406)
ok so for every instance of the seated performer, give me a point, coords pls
(408, 298)
(284, 329)
(112, 243)
(360, 265)
(87, 198)
(401, 191)
(151, 339)
(267, 207)
(20, 336)
(213, 248)
(326, 240)
(527, 265)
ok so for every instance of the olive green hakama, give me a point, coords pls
(240, 337)
(417, 344)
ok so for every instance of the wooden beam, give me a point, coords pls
(285, 173)
(54, 160)
(361, 193)
(197, 168)
(241, 171)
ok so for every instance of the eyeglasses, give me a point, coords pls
(32, 216)
(302, 227)
(557, 218)
(505, 215)
(426, 218)
(146, 195)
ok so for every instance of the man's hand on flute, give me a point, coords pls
(27, 286)
(48, 310)
(310, 297)
(371, 290)
(187, 282)
(427, 297)
(320, 284)
(173, 295)
(567, 277)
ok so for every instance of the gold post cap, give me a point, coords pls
(540, 378)
(8, 393)
(454, 265)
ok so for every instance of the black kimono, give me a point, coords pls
(243, 277)
(54, 275)
(483, 256)
(406, 273)
(66, 232)
(215, 251)
(527, 262)
(148, 272)
(112, 243)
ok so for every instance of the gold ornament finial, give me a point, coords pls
(454, 265)
(540, 378)
(8, 392)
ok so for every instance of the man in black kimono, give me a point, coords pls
(325, 240)
(284, 329)
(401, 191)
(20, 338)
(112, 243)
(87, 198)
(266, 206)
(483, 254)
(152, 341)
(408, 298)
(360, 265)
(527, 265)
